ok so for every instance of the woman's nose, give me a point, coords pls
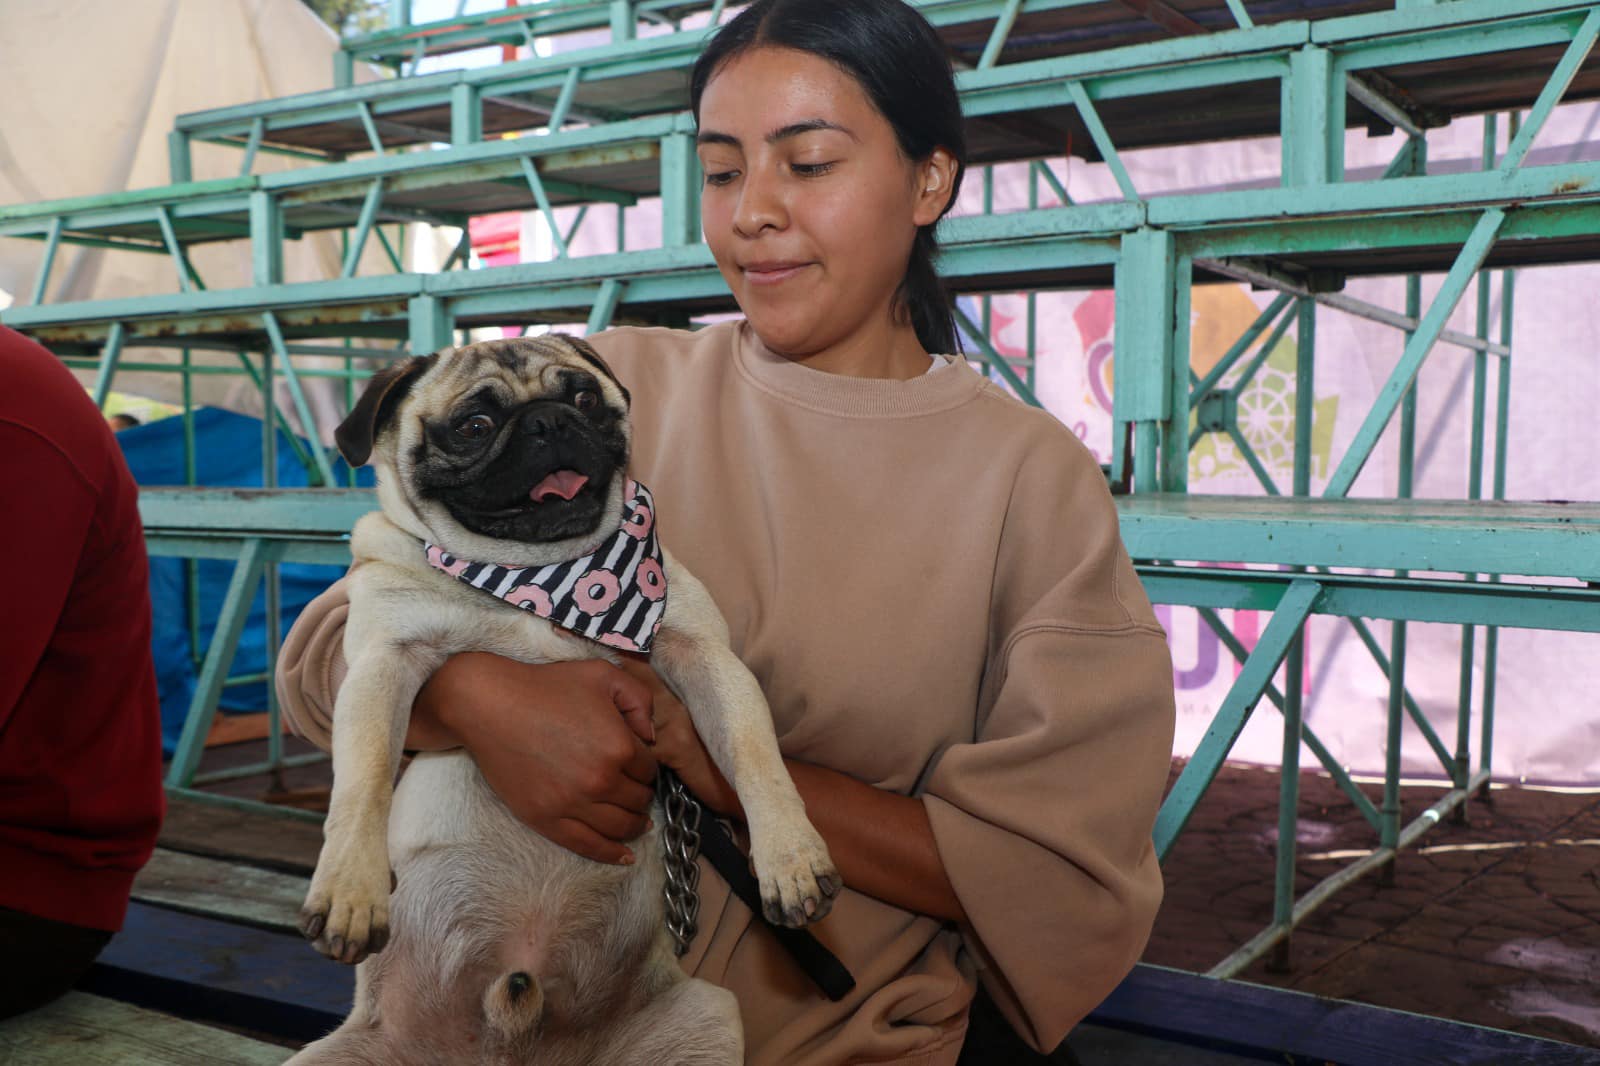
(760, 205)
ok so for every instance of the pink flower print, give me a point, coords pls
(446, 562)
(596, 591)
(638, 522)
(530, 598)
(652, 582)
(617, 640)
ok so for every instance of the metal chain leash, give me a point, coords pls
(680, 840)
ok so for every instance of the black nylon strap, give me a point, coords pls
(818, 963)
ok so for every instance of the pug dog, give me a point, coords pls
(502, 478)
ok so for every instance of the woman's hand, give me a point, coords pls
(678, 745)
(562, 744)
(882, 842)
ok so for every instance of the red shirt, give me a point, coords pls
(80, 724)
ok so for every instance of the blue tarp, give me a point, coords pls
(228, 453)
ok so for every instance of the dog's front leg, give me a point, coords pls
(691, 652)
(346, 913)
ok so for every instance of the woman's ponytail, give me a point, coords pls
(923, 298)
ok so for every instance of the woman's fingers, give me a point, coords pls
(562, 744)
(616, 824)
(581, 839)
(633, 698)
(633, 792)
(675, 733)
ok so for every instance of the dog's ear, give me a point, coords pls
(586, 352)
(366, 420)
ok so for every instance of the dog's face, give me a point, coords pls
(509, 451)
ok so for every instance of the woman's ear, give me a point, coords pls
(936, 180)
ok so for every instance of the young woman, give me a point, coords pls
(970, 688)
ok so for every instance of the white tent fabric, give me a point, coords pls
(92, 88)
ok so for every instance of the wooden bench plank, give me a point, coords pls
(218, 888)
(85, 1030)
(265, 840)
(241, 728)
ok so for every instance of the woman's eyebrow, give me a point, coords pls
(810, 125)
(793, 129)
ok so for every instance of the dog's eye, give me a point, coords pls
(475, 428)
(586, 399)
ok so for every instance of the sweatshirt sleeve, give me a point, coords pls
(42, 484)
(1044, 820)
(311, 665)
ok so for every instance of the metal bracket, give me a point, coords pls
(1218, 411)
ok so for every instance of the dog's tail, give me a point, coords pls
(514, 1004)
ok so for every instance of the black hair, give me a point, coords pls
(897, 58)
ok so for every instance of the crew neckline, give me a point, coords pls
(853, 397)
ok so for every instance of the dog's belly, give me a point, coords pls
(441, 800)
(480, 897)
(508, 874)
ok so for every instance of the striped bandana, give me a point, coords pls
(615, 595)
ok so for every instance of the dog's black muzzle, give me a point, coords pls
(494, 499)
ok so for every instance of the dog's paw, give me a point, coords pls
(798, 878)
(346, 913)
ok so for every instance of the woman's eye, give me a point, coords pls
(475, 428)
(586, 399)
(810, 170)
(721, 177)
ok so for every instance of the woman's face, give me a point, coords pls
(809, 206)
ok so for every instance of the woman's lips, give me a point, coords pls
(771, 273)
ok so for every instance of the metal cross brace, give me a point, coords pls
(536, 186)
(369, 212)
(109, 355)
(993, 358)
(1335, 770)
(1296, 605)
(297, 394)
(247, 572)
(52, 245)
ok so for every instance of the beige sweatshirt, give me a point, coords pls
(928, 581)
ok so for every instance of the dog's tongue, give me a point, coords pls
(563, 483)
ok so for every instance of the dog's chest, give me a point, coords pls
(496, 626)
